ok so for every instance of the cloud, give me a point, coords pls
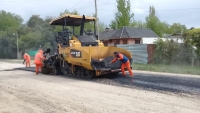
(138, 10)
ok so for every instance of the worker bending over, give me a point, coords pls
(27, 59)
(125, 63)
(38, 61)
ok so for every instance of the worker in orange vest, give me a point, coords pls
(125, 63)
(27, 59)
(38, 61)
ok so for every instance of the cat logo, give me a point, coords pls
(76, 54)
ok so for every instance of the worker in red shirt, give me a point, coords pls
(125, 63)
(27, 59)
(38, 61)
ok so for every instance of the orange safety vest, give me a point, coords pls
(39, 57)
(27, 57)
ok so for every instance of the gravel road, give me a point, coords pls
(23, 91)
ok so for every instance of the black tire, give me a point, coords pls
(83, 72)
(78, 72)
(44, 70)
(65, 70)
(90, 73)
(54, 71)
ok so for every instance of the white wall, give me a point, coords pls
(149, 40)
(175, 39)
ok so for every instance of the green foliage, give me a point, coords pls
(193, 37)
(9, 24)
(171, 52)
(153, 22)
(177, 28)
(34, 20)
(34, 34)
(168, 68)
(88, 26)
(31, 40)
(139, 24)
(8, 20)
(123, 16)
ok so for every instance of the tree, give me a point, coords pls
(139, 24)
(34, 20)
(90, 25)
(177, 28)
(193, 37)
(171, 52)
(165, 27)
(123, 16)
(153, 22)
(8, 19)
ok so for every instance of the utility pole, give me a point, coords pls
(17, 45)
(97, 23)
(116, 26)
(17, 48)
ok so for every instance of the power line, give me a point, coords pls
(76, 4)
(156, 10)
(178, 9)
(23, 1)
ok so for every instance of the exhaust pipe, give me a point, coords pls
(82, 25)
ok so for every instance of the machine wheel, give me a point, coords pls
(54, 70)
(77, 71)
(66, 69)
(83, 72)
(45, 70)
(90, 73)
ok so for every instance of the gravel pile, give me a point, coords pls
(105, 63)
(115, 65)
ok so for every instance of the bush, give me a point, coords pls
(171, 52)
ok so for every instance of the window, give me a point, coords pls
(137, 41)
(117, 41)
(105, 43)
(124, 41)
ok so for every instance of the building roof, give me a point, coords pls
(106, 34)
(127, 32)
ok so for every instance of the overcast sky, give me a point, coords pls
(186, 12)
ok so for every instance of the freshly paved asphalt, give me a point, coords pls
(148, 81)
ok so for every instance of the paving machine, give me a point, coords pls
(82, 54)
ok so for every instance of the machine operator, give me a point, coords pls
(38, 61)
(125, 63)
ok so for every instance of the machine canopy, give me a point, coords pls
(71, 20)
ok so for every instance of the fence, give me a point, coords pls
(32, 53)
(142, 53)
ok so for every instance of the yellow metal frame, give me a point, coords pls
(88, 52)
(96, 52)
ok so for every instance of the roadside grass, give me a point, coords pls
(167, 68)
